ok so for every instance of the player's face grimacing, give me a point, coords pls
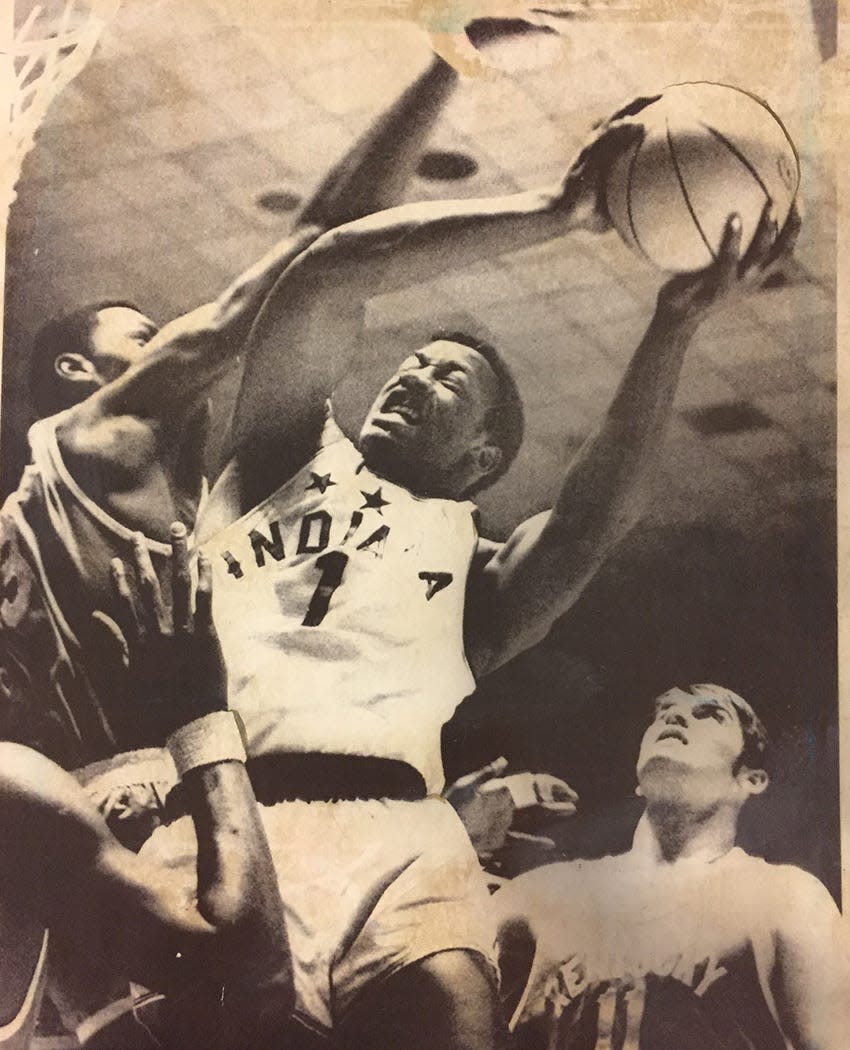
(119, 338)
(691, 749)
(427, 428)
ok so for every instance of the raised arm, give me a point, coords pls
(313, 318)
(542, 569)
(190, 353)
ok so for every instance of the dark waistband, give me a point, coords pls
(319, 777)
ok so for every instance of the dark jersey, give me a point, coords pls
(56, 679)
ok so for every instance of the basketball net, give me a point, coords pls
(40, 55)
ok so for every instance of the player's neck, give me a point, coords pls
(667, 834)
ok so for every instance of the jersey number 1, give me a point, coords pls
(332, 565)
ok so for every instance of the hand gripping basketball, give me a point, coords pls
(708, 150)
(582, 194)
(171, 659)
(691, 296)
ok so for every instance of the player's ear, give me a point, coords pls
(76, 367)
(754, 781)
(488, 457)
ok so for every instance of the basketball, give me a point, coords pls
(709, 150)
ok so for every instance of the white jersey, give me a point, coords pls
(339, 604)
(630, 957)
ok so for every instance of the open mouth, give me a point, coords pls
(404, 403)
(673, 734)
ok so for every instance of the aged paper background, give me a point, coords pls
(144, 182)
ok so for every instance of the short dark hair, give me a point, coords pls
(754, 753)
(68, 334)
(505, 419)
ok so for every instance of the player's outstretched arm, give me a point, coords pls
(317, 306)
(811, 974)
(538, 574)
(190, 353)
(374, 173)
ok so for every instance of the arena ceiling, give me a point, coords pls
(145, 179)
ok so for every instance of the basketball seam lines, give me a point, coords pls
(682, 187)
(738, 155)
(632, 164)
(762, 103)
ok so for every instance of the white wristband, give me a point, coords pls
(216, 737)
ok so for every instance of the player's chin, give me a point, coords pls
(387, 450)
(657, 763)
(386, 437)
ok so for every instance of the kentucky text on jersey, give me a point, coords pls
(628, 958)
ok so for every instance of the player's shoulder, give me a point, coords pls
(551, 888)
(796, 886)
(83, 434)
(784, 893)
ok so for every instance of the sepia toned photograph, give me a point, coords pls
(418, 544)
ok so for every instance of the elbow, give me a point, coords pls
(225, 906)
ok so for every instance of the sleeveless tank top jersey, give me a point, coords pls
(688, 972)
(55, 551)
(339, 604)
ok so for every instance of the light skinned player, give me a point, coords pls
(685, 940)
(353, 573)
(121, 449)
(221, 954)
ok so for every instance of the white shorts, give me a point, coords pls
(368, 888)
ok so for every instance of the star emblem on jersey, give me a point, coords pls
(374, 501)
(322, 482)
(435, 582)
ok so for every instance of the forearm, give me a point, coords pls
(237, 307)
(374, 172)
(237, 884)
(604, 489)
(414, 243)
(191, 353)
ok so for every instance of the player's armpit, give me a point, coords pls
(811, 973)
(533, 579)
